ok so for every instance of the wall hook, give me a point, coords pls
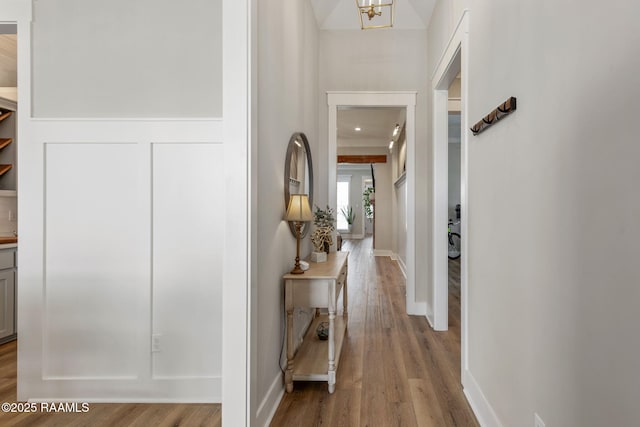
(504, 109)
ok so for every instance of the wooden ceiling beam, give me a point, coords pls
(362, 159)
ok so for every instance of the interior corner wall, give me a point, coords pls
(354, 60)
(552, 326)
(148, 58)
(287, 103)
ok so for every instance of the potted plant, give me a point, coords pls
(321, 237)
(367, 197)
(349, 215)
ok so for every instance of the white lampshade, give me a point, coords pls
(299, 209)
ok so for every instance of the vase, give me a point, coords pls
(318, 256)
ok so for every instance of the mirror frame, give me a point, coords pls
(298, 136)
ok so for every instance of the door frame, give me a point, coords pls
(406, 99)
(454, 60)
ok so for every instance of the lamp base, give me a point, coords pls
(297, 270)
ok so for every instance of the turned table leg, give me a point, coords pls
(332, 352)
(288, 375)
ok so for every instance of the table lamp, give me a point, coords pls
(298, 211)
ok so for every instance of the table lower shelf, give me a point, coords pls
(311, 362)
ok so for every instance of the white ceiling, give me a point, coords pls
(376, 123)
(343, 14)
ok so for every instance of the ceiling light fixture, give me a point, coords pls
(391, 144)
(382, 10)
(357, 129)
(396, 129)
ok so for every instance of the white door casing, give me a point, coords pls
(397, 99)
(454, 60)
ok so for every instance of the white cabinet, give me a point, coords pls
(7, 295)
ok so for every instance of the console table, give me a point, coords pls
(318, 287)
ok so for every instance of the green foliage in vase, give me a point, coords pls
(324, 218)
(366, 197)
(348, 214)
(324, 221)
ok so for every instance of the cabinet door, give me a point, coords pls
(7, 303)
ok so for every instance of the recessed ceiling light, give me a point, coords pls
(357, 129)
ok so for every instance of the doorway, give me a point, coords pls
(405, 100)
(453, 63)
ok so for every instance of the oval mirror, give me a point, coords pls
(298, 174)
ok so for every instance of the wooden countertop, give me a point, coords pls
(8, 239)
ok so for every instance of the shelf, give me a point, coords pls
(5, 115)
(5, 141)
(311, 363)
(4, 169)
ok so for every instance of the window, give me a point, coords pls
(343, 192)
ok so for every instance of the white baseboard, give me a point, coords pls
(269, 404)
(417, 309)
(430, 319)
(401, 264)
(352, 236)
(481, 407)
(382, 252)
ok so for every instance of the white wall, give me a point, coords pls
(287, 102)
(122, 243)
(553, 325)
(148, 58)
(348, 61)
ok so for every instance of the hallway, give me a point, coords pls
(394, 369)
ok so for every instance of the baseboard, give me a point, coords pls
(480, 406)
(430, 319)
(352, 236)
(417, 309)
(401, 264)
(382, 252)
(269, 404)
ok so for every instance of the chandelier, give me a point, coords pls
(375, 13)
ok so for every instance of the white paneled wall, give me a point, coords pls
(187, 259)
(94, 276)
(128, 307)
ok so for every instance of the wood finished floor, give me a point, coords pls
(394, 369)
(101, 414)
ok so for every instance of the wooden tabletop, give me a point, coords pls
(323, 270)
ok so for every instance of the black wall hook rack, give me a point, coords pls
(503, 110)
